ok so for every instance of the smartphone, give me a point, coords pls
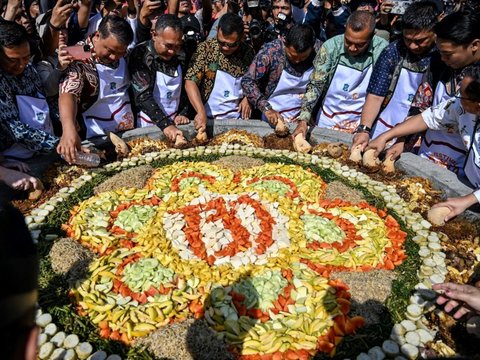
(79, 52)
(399, 6)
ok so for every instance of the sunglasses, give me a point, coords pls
(228, 45)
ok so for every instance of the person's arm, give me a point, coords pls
(258, 69)
(60, 14)
(410, 126)
(12, 9)
(83, 13)
(313, 16)
(458, 205)
(193, 79)
(143, 83)
(322, 66)
(376, 92)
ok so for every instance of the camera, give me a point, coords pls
(255, 29)
(399, 7)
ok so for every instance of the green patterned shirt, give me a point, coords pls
(330, 55)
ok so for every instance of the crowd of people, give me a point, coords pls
(401, 76)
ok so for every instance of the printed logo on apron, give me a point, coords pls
(166, 94)
(112, 110)
(441, 146)
(32, 111)
(342, 104)
(397, 108)
(288, 94)
(225, 97)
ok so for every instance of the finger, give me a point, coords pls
(450, 305)
(463, 310)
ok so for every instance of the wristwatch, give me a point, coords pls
(268, 107)
(362, 129)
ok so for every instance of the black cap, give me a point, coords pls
(190, 22)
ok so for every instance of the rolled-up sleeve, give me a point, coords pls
(443, 116)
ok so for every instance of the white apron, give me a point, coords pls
(471, 137)
(32, 111)
(166, 94)
(397, 108)
(112, 110)
(344, 100)
(441, 147)
(288, 94)
(225, 97)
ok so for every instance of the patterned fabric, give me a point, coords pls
(437, 72)
(143, 65)
(81, 79)
(12, 130)
(208, 59)
(387, 69)
(331, 54)
(264, 72)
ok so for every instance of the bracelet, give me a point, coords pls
(53, 27)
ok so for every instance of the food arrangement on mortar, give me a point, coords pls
(251, 250)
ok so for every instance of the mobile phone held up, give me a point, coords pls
(399, 6)
(79, 52)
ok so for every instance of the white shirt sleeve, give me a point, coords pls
(477, 195)
(444, 116)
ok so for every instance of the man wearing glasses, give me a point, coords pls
(213, 79)
(157, 78)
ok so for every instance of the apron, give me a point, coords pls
(225, 97)
(288, 94)
(441, 147)
(32, 111)
(112, 110)
(344, 100)
(166, 93)
(397, 108)
(472, 159)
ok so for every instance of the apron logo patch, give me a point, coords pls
(169, 95)
(226, 93)
(411, 97)
(40, 116)
(113, 86)
(345, 87)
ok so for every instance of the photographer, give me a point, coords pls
(282, 20)
(327, 18)
(255, 22)
(157, 78)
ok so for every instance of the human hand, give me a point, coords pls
(64, 58)
(200, 121)
(301, 128)
(395, 150)
(171, 132)
(244, 109)
(362, 139)
(454, 295)
(61, 13)
(378, 145)
(272, 116)
(457, 205)
(181, 120)
(69, 145)
(148, 8)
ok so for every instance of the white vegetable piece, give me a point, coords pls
(51, 329)
(114, 357)
(71, 341)
(58, 354)
(390, 347)
(363, 356)
(408, 325)
(42, 339)
(58, 339)
(44, 319)
(83, 350)
(412, 338)
(70, 355)
(376, 353)
(98, 355)
(410, 351)
(45, 350)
